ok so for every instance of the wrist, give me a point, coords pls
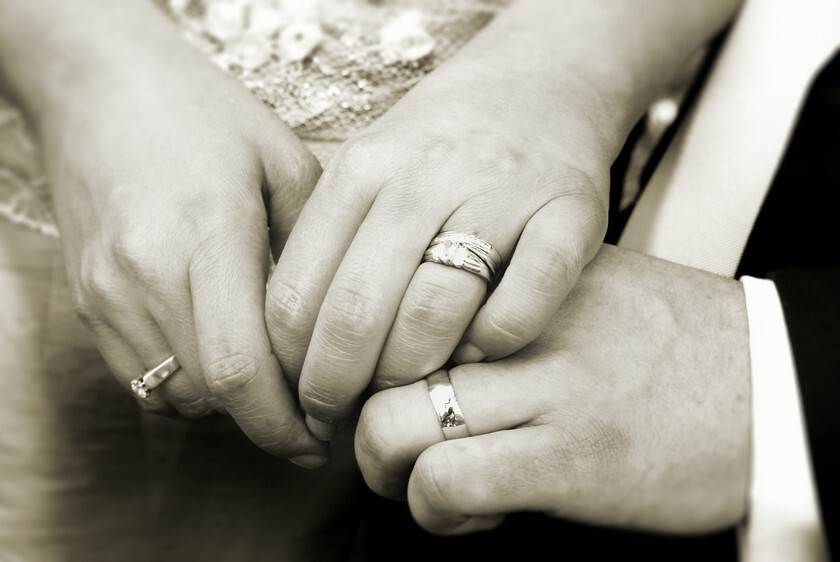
(550, 117)
(83, 50)
(596, 63)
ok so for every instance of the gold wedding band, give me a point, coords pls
(446, 405)
(464, 251)
(142, 386)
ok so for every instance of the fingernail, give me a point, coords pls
(320, 429)
(310, 462)
(468, 353)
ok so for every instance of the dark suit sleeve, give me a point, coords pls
(811, 302)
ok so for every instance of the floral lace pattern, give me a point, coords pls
(328, 68)
(24, 196)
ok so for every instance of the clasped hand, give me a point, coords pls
(351, 308)
(169, 209)
(625, 403)
(173, 258)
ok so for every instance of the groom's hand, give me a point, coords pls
(632, 410)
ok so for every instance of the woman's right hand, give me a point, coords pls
(171, 181)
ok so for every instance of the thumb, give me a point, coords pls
(467, 485)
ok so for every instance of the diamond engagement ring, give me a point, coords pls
(142, 386)
(464, 251)
(446, 405)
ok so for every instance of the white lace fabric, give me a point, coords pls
(24, 196)
(328, 68)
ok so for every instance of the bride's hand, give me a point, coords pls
(510, 141)
(632, 409)
(350, 301)
(170, 182)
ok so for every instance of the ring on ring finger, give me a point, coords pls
(464, 251)
(142, 386)
(450, 417)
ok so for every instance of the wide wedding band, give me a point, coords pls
(446, 405)
(464, 251)
(142, 386)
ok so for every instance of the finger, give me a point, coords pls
(468, 485)
(431, 315)
(358, 311)
(134, 326)
(227, 279)
(437, 307)
(174, 315)
(398, 424)
(127, 334)
(442, 300)
(180, 389)
(291, 172)
(126, 365)
(307, 265)
(555, 245)
(394, 427)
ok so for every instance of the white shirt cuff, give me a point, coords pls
(783, 521)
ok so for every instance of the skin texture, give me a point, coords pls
(171, 182)
(166, 174)
(511, 141)
(631, 409)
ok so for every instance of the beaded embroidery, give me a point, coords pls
(328, 68)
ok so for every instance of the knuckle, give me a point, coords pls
(351, 318)
(286, 309)
(437, 151)
(359, 150)
(231, 372)
(94, 290)
(501, 162)
(310, 168)
(513, 330)
(289, 323)
(585, 195)
(429, 307)
(570, 181)
(356, 158)
(492, 163)
(551, 276)
(85, 311)
(131, 250)
(96, 276)
(304, 168)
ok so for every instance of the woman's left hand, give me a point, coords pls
(352, 300)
